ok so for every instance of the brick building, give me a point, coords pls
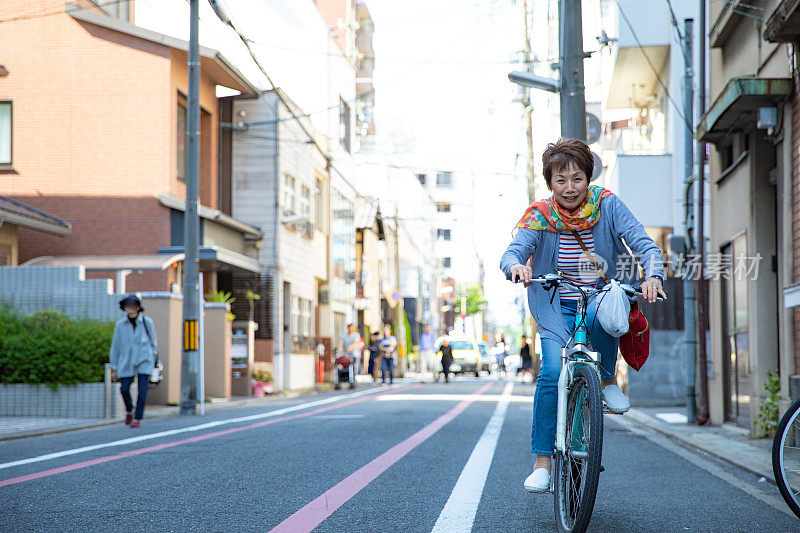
(95, 116)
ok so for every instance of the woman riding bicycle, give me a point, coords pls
(544, 235)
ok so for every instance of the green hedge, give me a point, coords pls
(51, 348)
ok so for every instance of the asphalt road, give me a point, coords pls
(416, 457)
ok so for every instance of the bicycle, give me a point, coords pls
(579, 421)
(786, 457)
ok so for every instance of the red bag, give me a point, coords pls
(635, 345)
(343, 360)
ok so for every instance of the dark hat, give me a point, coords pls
(132, 298)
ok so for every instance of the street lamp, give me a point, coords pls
(526, 79)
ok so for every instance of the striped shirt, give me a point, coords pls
(574, 265)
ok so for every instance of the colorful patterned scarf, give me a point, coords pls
(547, 214)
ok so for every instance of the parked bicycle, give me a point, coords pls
(786, 457)
(579, 421)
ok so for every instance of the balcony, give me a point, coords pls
(633, 83)
(644, 182)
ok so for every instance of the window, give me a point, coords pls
(305, 318)
(344, 124)
(421, 178)
(296, 316)
(305, 201)
(446, 262)
(319, 203)
(444, 180)
(443, 207)
(443, 234)
(5, 133)
(181, 156)
(289, 205)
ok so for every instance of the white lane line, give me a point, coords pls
(459, 511)
(335, 417)
(199, 427)
(694, 458)
(452, 398)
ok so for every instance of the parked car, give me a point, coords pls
(466, 356)
(486, 357)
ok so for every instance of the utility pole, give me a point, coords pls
(702, 356)
(526, 103)
(191, 223)
(571, 55)
(689, 321)
(399, 329)
(569, 84)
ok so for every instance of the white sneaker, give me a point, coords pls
(615, 400)
(538, 481)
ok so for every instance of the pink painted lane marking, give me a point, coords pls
(316, 511)
(165, 445)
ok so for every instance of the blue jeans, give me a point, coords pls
(387, 366)
(545, 399)
(142, 382)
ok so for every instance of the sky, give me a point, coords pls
(441, 83)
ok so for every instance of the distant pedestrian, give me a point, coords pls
(527, 361)
(374, 355)
(388, 348)
(132, 355)
(352, 345)
(427, 351)
(447, 358)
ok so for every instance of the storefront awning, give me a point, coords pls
(735, 108)
(110, 262)
(26, 216)
(219, 259)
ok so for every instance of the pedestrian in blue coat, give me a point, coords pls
(132, 355)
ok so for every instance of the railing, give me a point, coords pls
(304, 344)
(642, 140)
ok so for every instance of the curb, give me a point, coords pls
(647, 421)
(162, 412)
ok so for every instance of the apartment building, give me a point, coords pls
(751, 124)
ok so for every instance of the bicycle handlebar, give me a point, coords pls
(553, 280)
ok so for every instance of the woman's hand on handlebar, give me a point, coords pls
(521, 273)
(651, 289)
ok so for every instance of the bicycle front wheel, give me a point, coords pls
(577, 471)
(786, 457)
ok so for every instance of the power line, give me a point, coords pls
(652, 67)
(294, 117)
(431, 61)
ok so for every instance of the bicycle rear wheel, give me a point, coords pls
(786, 457)
(577, 472)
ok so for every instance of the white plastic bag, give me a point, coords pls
(613, 309)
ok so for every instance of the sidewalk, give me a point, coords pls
(14, 427)
(727, 442)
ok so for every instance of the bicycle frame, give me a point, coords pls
(579, 354)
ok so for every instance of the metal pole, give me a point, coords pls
(702, 316)
(399, 326)
(689, 322)
(526, 103)
(201, 366)
(570, 51)
(191, 287)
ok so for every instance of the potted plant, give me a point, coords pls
(262, 383)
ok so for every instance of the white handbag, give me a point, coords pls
(157, 375)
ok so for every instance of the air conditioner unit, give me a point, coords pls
(307, 229)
